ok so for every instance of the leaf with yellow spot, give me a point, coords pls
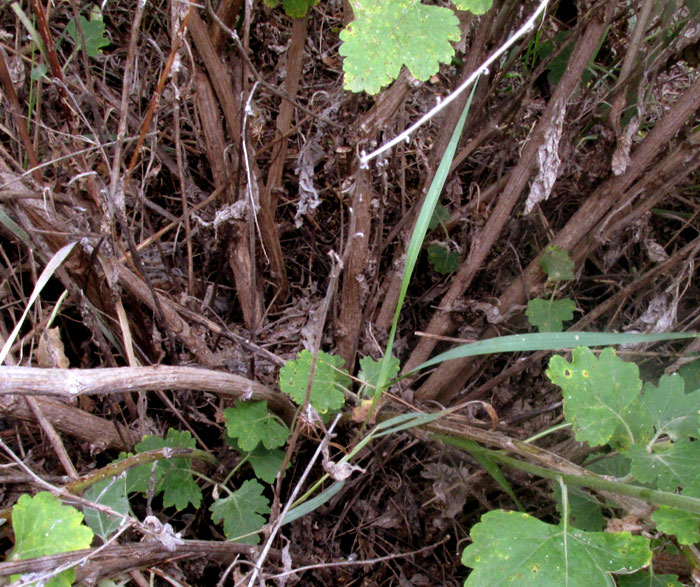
(597, 393)
(511, 548)
(388, 34)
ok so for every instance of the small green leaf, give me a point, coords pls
(94, 33)
(138, 478)
(550, 315)
(440, 216)
(112, 493)
(387, 34)
(369, 373)
(329, 380)
(558, 65)
(442, 259)
(173, 476)
(516, 549)
(294, 8)
(557, 264)
(251, 423)
(474, 6)
(43, 526)
(597, 392)
(266, 463)
(179, 487)
(240, 512)
(39, 72)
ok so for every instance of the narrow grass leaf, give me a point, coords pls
(46, 274)
(316, 502)
(416, 243)
(548, 341)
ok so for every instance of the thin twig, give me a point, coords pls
(351, 563)
(254, 201)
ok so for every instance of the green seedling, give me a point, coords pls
(550, 315)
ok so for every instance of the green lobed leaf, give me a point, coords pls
(473, 6)
(668, 465)
(516, 549)
(241, 512)
(329, 380)
(440, 216)
(683, 525)
(110, 492)
(294, 8)
(550, 315)
(179, 487)
(139, 477)
(673, 412)
(369, 373)
(93, 32)
(442, 259)
(251, 423)
(637, 428)
(172, 476)
(43, 526)
(557, 264)
(597, 392)
(613, 465)
(266, 463)
(387, 34)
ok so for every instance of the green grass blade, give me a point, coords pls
(548, 341)
(492, 468)
(414, 247)
(14, 228)
(314, 503)
(415, 419)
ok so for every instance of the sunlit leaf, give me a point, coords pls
(511, 548)
(388, 34)
(328, 383)
(43, 526)
(597, 392)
